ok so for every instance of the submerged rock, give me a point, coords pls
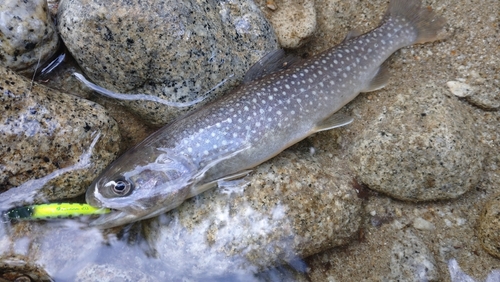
(56, 141)
(27, 35)
(412, 260)
(177, 51)
(295, 206)
(421, 147)
(457, 275)
(488, 228)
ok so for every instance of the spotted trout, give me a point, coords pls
(223, 140)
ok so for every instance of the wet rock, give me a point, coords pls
(421, 147)
(15, 268)
(27, 35)
(293, 20)
(488, 228)
(108, 272)
(295, 206)
(411, 260)
(457, 275)
(178, 51)
(52, 144)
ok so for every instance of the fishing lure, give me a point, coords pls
(53, 210)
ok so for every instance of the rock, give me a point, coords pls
(108, 272)
(27, 35)
(457, 275)
(59, 142)
(460, 89)
(293, 20)
(488, 229)
(419, 148)
(295, 206)
(411, 260)
(15, 268)
(422, 224)
(488, 97)
(178, 51)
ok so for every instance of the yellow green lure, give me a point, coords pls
(54, 210)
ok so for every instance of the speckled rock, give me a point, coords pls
(488, 228)
(430, 153)
(15, 268)
(411, 260)
(293, 20)
(295, 206)
(27, 35)
(50, 136)
(178, 51)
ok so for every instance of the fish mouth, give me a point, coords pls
(113, 219)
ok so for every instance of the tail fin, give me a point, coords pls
(426, 22)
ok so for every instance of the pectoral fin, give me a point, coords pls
(230, 180)
(379, 80)
(336, 120)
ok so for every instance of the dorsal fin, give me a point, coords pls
(352, 33)
(379, 80)
(272, 62)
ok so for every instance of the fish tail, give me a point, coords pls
(423, 20)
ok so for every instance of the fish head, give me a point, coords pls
(137, 187)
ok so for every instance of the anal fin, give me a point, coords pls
(333, 121)
(379, 80)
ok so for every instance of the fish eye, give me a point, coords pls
(121, 187)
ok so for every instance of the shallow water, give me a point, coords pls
(156, 250)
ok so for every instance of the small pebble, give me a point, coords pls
(28, 36)
(422, 224)
(460, 89)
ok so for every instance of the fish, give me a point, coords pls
(281, 102)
